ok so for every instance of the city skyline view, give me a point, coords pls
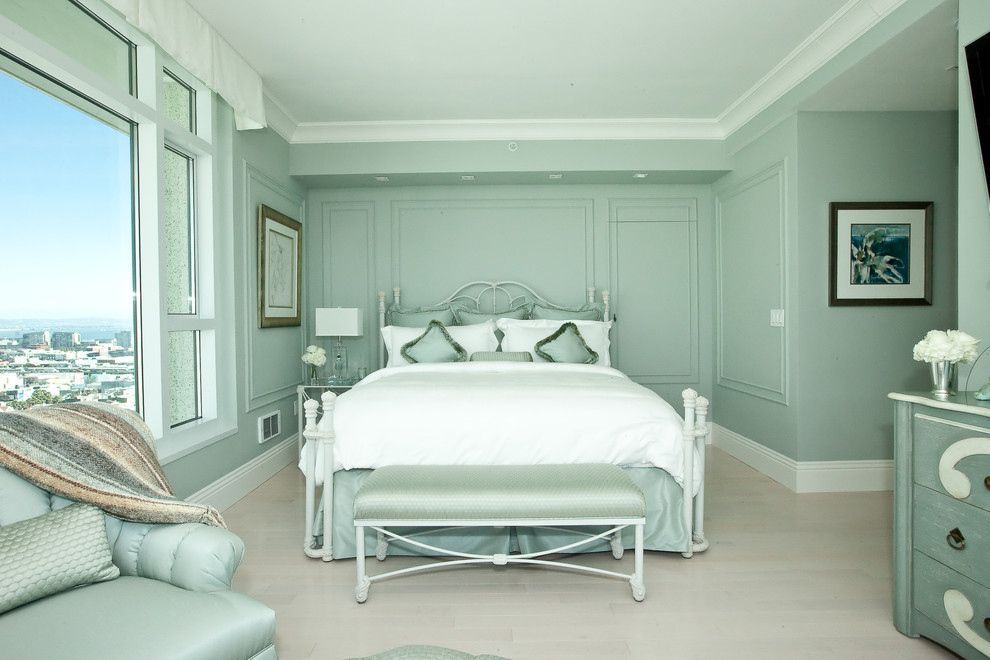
(67, 311)
(67, 211)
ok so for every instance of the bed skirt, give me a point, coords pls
(665, 529)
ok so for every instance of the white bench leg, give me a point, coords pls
(616, 543)
(363, 583)
(636, 581)
(381, 550)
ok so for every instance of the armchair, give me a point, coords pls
(172, 598)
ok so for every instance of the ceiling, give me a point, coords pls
(380, 70)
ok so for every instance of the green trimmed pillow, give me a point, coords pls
(566, 345)
(418, 318)
(54, 552)
(465, 315)
(586, 312)
(434, 345)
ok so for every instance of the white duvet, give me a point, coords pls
(504, 413)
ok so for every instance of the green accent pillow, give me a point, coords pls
(54, 552)
(434, 345)
(566, 345)
(586, 312)
(465, 315)
(418, 318)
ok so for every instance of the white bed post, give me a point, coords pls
(381, 324)
(607, 300)
(690, 401)
(314, 439)
(310, 433)
(701, 438)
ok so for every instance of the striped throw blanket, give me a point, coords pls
(95, 453)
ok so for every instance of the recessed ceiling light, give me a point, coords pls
(556, 176)
(640, 175)
(467, 177)
(383, 179)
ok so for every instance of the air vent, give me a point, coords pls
(269, 426)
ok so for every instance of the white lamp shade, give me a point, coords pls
(339, 322)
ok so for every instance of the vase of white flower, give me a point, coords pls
(315, 357)
(943, 349)
(943, 378)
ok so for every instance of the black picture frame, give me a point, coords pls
(880, 253)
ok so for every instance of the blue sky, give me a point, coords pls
(65, 236)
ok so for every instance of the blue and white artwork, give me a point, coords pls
(881, 254)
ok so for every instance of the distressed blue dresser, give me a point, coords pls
(942, 520)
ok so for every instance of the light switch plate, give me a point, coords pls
(777, 318)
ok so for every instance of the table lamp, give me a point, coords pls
(339, 322)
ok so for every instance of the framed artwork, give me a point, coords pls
(279, 275)
(880, 253)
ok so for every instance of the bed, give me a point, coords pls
(495, 374)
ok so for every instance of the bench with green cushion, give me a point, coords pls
(430, 496)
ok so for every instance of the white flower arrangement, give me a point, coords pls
(315, 356)
(946, 345)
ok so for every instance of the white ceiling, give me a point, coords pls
(355, 70)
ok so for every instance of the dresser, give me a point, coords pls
(942, 520)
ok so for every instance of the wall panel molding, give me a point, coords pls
(761, 197)
(654, 276)
(438, 245)
(259, 188)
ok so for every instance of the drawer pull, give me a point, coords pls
(955, 539)
(986, 482)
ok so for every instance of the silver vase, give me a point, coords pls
(943, 378)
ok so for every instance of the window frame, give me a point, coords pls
(213, 220)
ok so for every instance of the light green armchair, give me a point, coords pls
(172, 598)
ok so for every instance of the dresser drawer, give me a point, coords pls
(942, 595)
(953, 532)
(952, 456)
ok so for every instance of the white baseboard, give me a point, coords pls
(228, 489)
(807, 476)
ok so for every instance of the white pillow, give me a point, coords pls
(473, 338)
(523, 335)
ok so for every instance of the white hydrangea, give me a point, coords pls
(315, 356)
(948, 345)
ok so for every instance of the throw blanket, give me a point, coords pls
(95, 453)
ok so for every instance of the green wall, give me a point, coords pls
(849, 358)
(648, 245)
(828, 402)
(267, 361)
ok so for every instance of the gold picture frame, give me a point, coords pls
(279, 273)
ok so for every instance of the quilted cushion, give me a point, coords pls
(53, 552)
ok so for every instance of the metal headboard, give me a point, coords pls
(489, 297)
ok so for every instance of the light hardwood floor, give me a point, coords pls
(787, 576)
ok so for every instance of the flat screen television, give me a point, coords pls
(978, 62)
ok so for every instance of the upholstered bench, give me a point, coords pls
(591, 494)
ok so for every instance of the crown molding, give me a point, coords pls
(537, 129)
(278, 118)
(847, 25)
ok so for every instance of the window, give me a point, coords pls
(68, 305)
(165, 216)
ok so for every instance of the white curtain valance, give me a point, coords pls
(185, 35)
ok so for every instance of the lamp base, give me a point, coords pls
(339, 366)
